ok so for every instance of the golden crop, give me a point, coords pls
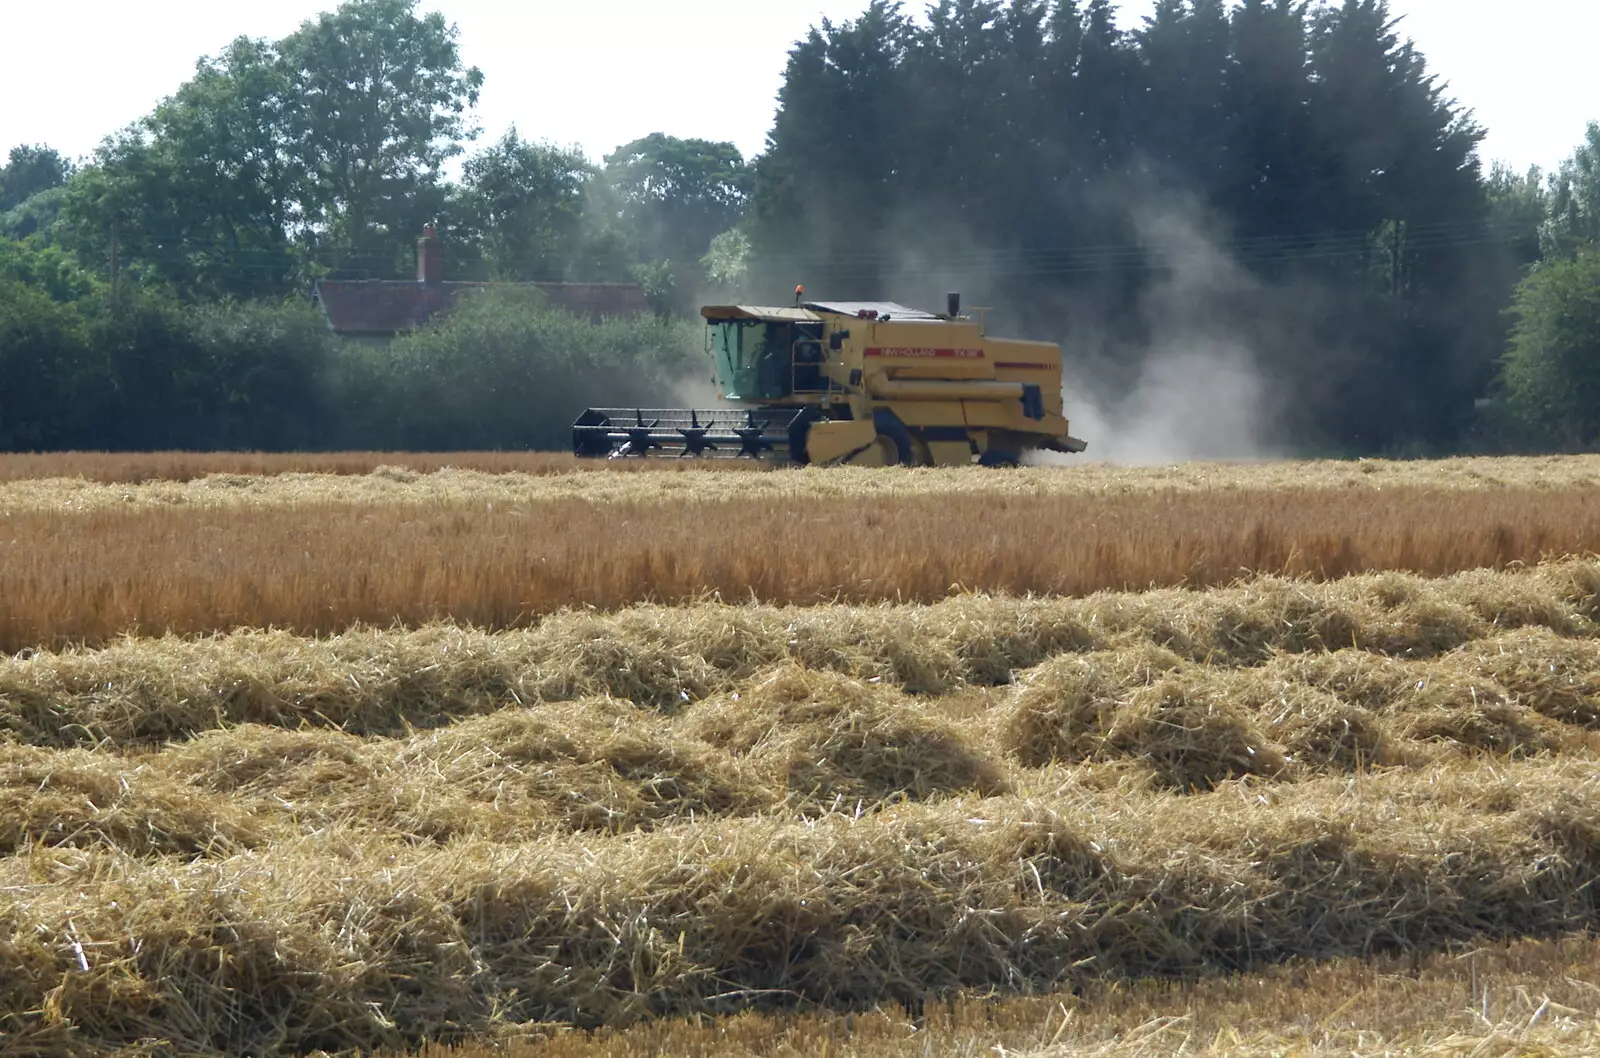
(92, 570)
(138, 467)
(88, 481)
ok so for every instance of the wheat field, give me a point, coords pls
(1222, 760)
(87, 563)
(81, 481)
(119, 468)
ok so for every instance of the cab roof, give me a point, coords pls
(891, 309)
(775, 314)
(808, 313)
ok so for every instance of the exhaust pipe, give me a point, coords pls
(953, 304)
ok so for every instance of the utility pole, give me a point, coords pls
(115, 272)
(1394, 263)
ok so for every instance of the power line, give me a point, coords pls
(218, 257)
(1145, 258)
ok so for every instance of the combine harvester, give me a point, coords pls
(858, 383)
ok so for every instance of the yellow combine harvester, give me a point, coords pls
(860, 383)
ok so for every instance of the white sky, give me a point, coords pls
(600, 73)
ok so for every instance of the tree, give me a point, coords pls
(279, 162)
(1180, 117)
(51, 387)
(35, 216)
(525, 202)
(1272, 187)
(829, 180)
(202, 194)
(1518, 206)
(1394, 157)
(31, 190)
(48, 377)
(261, 380)
(1552, 368)
(541, 212)
(726, 264)
(1294, 161)
(678, 194)
(956, 67)
(31, 170)
(505, 370)
(47, 270)
(378, 102)
(1075, 152)
(1574, 202)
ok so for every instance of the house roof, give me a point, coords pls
(383, 307)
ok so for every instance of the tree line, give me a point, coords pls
(83, 368)
(1281, 177)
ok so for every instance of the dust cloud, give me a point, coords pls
(697, 391)
(1191, 402)
(1199, 392)
(1186, 384)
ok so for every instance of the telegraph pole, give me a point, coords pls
(1394, 263)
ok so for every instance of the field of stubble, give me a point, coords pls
(384, 753)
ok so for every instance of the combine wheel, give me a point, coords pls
(998, 457)
(892, 446)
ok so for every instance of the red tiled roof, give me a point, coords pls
(389, 306)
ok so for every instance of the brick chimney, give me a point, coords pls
(430, 257)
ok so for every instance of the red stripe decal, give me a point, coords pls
(910, 353)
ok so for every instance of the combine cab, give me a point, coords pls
(872, 384)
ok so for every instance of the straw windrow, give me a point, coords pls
(664, 658)
(345, 941)
(1525, 998)
(259, 842)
